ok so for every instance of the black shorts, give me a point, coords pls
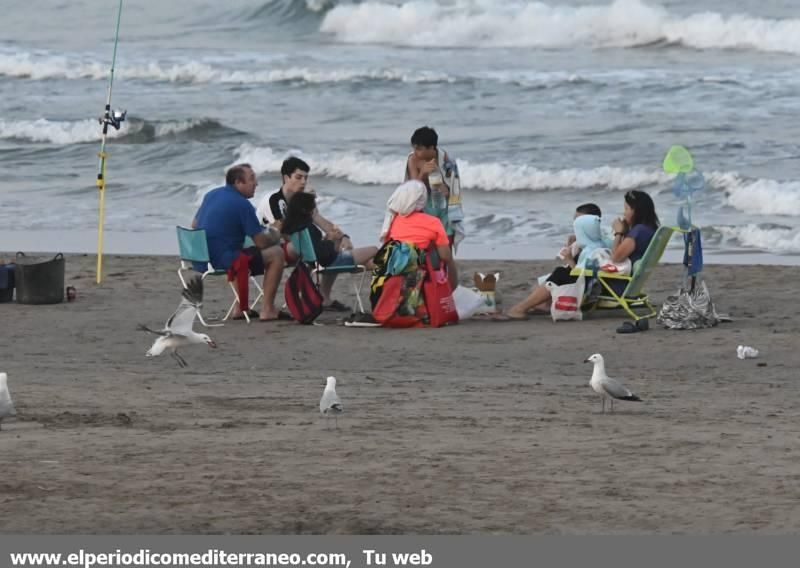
(256, 263)
(561, 276)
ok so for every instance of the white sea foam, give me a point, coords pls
(772, 239)
(518, 23)
(87, 130)
(493, 176)
(57, 132)
(44, 66)
(761, 196)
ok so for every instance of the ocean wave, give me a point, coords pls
(767, 237)
(89, 130)
(761, 196)
(43, 67)
(748, 195)
(517, 23)
(363, 169)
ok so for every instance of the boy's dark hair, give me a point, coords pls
(293, 163)
(589, 209)
(425, 136)
(236, 173)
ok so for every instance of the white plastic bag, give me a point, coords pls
(468, 302)
(566, 304)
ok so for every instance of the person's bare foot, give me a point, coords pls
(511, 315)
(268, 314)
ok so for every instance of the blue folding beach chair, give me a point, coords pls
(193, 247)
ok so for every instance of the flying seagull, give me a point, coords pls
(178, 330)
(607, 387)
(329, 404)
(6, 405)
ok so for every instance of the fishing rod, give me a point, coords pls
(115, 119)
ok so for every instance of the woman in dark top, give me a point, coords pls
(632, 235)
(329, 252)
(299, 215)
(634, 231)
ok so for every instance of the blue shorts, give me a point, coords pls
(344, 258)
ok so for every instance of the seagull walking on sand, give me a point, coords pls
(178, 330)
(605, 386)
(329, 404)
(6, 405)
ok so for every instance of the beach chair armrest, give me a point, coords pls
(600, 274)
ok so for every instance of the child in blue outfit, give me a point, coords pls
(586, 241)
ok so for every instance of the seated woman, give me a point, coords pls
(328, 249)
(640, 216)
(405, 221)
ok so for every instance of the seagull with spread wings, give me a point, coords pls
(178, 330)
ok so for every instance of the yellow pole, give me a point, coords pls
(108, 118)
(101, 185)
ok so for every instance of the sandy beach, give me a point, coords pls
(483, 427)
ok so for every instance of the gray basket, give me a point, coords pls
(39, 282)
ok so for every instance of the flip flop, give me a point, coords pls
(252, 313)
(634, 327)
(282, 316)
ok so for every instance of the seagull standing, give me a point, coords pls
(178, 330)
(329, 404)
(607, 387)
(6, 405)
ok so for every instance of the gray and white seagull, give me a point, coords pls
(6, 405)
(178, 330)
(329, 404)
(605, 386)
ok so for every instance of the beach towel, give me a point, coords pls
(240, 271)
(588, 237)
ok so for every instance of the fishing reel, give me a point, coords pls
(115, 118)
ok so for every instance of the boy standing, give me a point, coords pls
(433, 167)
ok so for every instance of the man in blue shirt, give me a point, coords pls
(228, 217)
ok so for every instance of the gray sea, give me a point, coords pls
(545, 105)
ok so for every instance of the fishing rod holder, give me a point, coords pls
(114, 118)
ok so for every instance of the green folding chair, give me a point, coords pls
(301, 241)
(633, 297)
(193, 247)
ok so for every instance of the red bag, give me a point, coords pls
(303, 298)
(438, 295)
(385, 310)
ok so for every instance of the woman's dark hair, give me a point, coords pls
(299, 212)
(644, 211)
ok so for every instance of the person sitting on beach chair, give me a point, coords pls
(227, 216)
(586, 241)
(331, 249)
(272, 211)
(433, 167)
(406, 221)
(629, 244)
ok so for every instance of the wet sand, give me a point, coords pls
(483, 427)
